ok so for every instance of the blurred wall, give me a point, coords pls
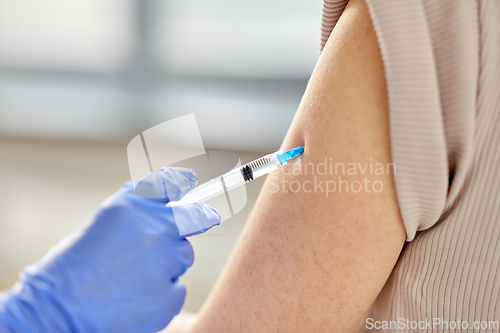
(108, 69)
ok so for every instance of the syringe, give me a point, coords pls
(239, 176)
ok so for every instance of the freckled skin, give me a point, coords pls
(307, 262)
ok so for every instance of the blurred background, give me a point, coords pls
(79, 79)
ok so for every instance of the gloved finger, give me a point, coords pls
(167, 184)
(169, 303)
(175, 255)
(175, 183)
(195, 218)
(174, 298)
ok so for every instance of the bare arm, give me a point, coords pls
(306, 261)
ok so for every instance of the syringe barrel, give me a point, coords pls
(232, 179)
(215, 187)
(261, 166)
(249, 171)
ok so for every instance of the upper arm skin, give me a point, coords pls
(307, 262)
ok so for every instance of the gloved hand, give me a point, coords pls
(120, 273)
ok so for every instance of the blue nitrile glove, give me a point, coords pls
(120, 273)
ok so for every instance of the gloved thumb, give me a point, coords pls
(167, 184)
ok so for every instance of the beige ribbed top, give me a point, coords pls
(442, 64)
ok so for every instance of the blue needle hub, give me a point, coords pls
(288, 155)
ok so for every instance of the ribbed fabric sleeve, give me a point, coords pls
(416, 123)
(418, 140)
(442, 67)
